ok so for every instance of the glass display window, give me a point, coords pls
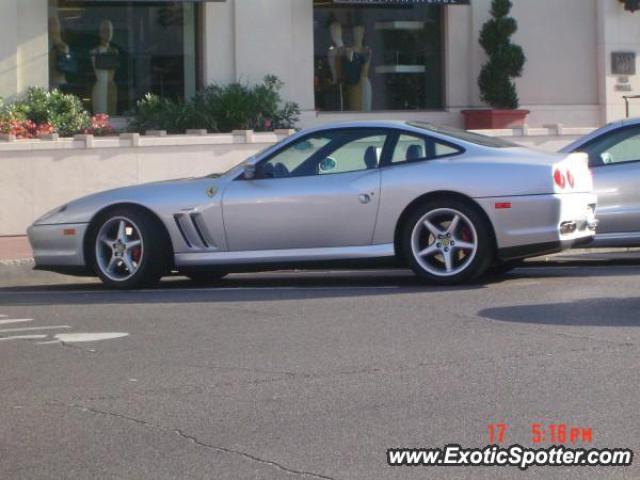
(110, 54)
(376, 57)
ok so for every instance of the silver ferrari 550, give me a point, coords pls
(448, 203)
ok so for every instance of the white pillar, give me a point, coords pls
(9, 48)
(33, 44)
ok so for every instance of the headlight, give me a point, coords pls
(50, 214)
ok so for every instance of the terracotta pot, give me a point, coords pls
(493, 119)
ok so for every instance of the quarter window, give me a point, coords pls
(410, 148)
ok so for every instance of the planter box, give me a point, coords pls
(493, 119)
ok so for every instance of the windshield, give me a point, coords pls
(217, 175)
(464, 135)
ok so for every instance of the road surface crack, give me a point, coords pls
(193, 439)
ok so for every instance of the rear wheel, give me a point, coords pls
(129, 250)
(447, 242)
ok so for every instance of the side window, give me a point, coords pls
(361, 153)
(412, 148)
(288, 160)
(620, 146)
(335, 151)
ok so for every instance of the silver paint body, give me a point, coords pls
(618, 190)
(324, 217)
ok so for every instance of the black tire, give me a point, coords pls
(153, 262)
(204, 277)
(472, 265)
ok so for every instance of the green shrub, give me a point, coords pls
(506, 60)
(61, 110)
(156, 113)
(219, 108)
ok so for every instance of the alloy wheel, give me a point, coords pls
(444, 242)
(119, 249)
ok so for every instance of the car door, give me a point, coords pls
(321, 191)
(614, 159)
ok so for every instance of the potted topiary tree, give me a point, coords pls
(506, 62)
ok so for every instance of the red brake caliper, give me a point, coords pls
(465, 234)
(136, 253)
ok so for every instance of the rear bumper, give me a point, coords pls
(58, 248)
(537, 249)
(539, 224)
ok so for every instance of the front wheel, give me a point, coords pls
(447, 242)
(129, 250)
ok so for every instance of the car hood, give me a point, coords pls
(149, 195)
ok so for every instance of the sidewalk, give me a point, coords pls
(14, 248)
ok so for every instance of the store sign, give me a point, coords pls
(403, 2)
(623, 63)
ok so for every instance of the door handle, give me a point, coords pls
(364, 198)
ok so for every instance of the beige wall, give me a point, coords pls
(618, 31)
(24, 45)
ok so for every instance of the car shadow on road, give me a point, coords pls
(235, 288)
(595, 312)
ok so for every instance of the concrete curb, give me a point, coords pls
(17, 262)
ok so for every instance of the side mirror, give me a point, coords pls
(249, 171)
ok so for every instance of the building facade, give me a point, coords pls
(339, 59)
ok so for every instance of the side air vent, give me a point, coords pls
(202, 231)
(194, 231)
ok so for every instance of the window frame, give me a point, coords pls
(397, 133)
(603, 137)
(325, 151)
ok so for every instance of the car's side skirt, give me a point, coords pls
(621, 239)
(289, 255)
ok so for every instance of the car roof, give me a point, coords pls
(408, 126)
(609, 127)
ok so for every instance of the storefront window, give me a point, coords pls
(110, 54)
(377, 57)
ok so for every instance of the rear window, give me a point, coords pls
(464, 135)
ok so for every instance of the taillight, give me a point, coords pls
(559, 179)
(570, 178)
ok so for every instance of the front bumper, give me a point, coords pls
(58, 248)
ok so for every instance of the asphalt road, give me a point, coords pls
(312, 375)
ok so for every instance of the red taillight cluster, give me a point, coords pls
(559, 179)
(562, 179)
(570, 179)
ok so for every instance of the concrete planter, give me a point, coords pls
(487, 119)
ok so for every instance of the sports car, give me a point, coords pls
(614, 159)
(448, 203)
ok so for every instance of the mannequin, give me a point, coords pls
(335, 58)
(105, 62)
(358, 60)
(60, 59)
